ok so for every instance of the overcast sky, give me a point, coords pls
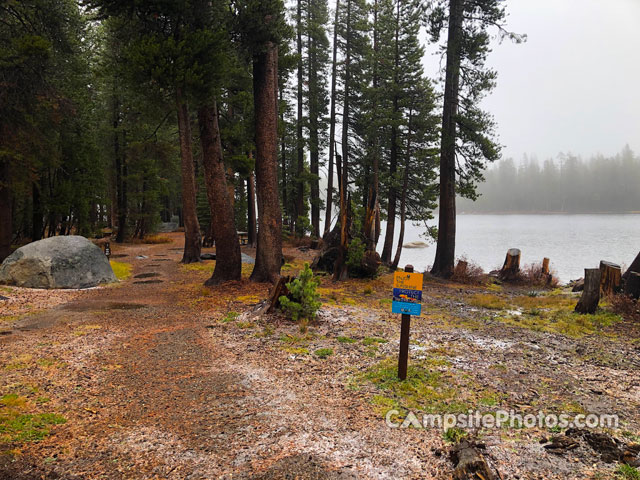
(574, 86)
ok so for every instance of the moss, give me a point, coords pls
(122, 270)
(245, 325)
(19, 362)
(323, 352)
(17, 425)
(85, 330)
(563, 321)
(454, 435)
(229, 317)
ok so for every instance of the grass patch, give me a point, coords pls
(122, 270)
(564, 322)
(454, 435)
(156, 239)
(85, 330)
(627, 472)
(323, 352)
(19, 362)
(373, 341)
(346, 340)
(198, 267)
(488, 301)
(229, 317)
(18, 426)
(297, 350)
(244, 325)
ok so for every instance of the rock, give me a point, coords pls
(3, 298)
(57, 262)
(141, 257)
(561, 444)
(415, 245)
(578, 285)
(208, 256)
(247, 259)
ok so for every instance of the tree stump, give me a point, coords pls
(511, 267)
(632, 285)
(279, 289)
(545, 266)
(591, 294)
(461, 269)
(610, 278)
(635, 267)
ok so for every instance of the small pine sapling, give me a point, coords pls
(302, 302)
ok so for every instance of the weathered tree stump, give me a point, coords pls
(635, 267)
(545, 266)
(280, 289)
(588, 303)
(610, 278)
(469, 463)
(511, 268)
(632, 285)
(461, 269)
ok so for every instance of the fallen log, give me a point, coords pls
(635, 267)
(590, 298)
(610, 277)
(511, 268)
(632, 285)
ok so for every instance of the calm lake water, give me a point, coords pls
(572, 242)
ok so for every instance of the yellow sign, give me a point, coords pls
(408, 281)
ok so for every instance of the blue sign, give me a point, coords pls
(406, 295)
(407, 308)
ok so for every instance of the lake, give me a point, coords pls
(572, 242)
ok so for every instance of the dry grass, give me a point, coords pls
(625, 306)
(468, 272)
(489, 301)
(531, 275)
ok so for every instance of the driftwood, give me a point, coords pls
(632, 285)
(591, 294)
(610, 278)
(469, 463)
(635, 267)
(511, 268)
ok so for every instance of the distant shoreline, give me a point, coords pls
(548, 213)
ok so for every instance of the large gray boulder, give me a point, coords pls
(57, 262)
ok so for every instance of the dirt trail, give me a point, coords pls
(149, 391)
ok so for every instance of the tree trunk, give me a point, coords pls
(340, 270)
(632, 285)
(314, 136)
(299, 183)
(393, 154)
(265, 86)
(591, 294)
(332, 124)
(228, 260)
(191, 226)
(446, 247)
(121, 196)
(511, 268)
(251, 211)
(37, 214)
(403, 200)
(6, 211)
(375, 187)
(635, 267)
(610, 278)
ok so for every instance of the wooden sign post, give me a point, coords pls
(407, 298)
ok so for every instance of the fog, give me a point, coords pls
(572, 87)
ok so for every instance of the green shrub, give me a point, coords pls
(302, 303)
(355, 254)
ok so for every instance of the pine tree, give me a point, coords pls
(467, 131)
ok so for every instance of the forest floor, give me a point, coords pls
(160, 377)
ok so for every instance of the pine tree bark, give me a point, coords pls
(6, 211)
(251, 210)
(265, 87)
(332, 124)
(191, 226)
(121, 194)
(610, 278)
(314, 135)
(228, 260)
(340, 270)
(393, 154)
(299, 182)
(446, 247)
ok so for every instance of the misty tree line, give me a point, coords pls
(567, 184)
(119, 115)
